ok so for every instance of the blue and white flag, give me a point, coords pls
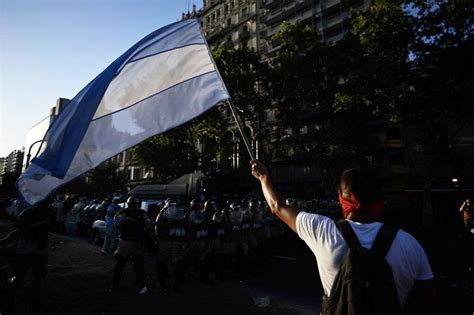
(163, 81)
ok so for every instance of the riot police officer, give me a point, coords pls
(131, 223)
(217, 234)
(199, 240)
(239, 248)
(172, 242)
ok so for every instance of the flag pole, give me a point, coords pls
(238, 121)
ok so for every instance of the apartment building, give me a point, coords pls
(36, 133)
(252, 23)
(13, 162)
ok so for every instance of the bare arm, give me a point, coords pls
(279, 208)
(466, 203)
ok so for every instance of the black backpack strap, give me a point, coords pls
(383, 241)
(349, 236)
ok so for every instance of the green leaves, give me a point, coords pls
(106, 178)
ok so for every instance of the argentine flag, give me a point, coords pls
(163, 81)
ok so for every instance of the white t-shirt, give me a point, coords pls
(406, 257)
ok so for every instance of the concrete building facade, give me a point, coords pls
(36, 133)
(252, 23)
(13, 162)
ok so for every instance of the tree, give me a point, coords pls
(305, 79)
(416, 59)
(415, 70)
(170, 155)
(106, 179)
(247, 79)
(302, 86)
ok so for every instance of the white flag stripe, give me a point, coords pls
(141, 79)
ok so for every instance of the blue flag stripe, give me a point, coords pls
(181, 36)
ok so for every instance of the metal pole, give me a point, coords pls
(28, 156)
(242, 133)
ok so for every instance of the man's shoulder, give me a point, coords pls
(405, 238)
(310, 223)
(312, 216)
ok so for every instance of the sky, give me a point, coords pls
(53, 48)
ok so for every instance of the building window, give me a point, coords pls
(291, 151)
(306, 170)
(218, 13)
(208, 20)
(393, 133)
(226, 9)
(244, 11)
(396, 158)
(229, 21)
(304, 130)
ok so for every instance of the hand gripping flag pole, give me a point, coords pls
(238, 121)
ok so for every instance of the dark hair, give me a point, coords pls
(364, 184)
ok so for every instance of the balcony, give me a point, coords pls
(270, 4)
(244, 35)
(330, 3)
(229, 44)
(272, 18)
(302, 4)
(214, 33)
(272, 31)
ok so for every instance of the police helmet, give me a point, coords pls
(210, 206)
(132, 201)
(195, 204)
(234, 206)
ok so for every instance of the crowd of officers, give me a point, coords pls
(82, 213)
(207, 239)
(200, 239)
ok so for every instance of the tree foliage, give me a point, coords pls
(415, 59)
(106, 179)
(407, 62)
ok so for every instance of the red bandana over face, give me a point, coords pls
(371, 212)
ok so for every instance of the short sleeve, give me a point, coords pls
(424, 272)
(314, 229)
(305, 225)
(411, 257)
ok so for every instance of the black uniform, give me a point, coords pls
(172, 241)
(131, 225)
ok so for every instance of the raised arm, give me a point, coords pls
(279, 208)
(466, 203)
